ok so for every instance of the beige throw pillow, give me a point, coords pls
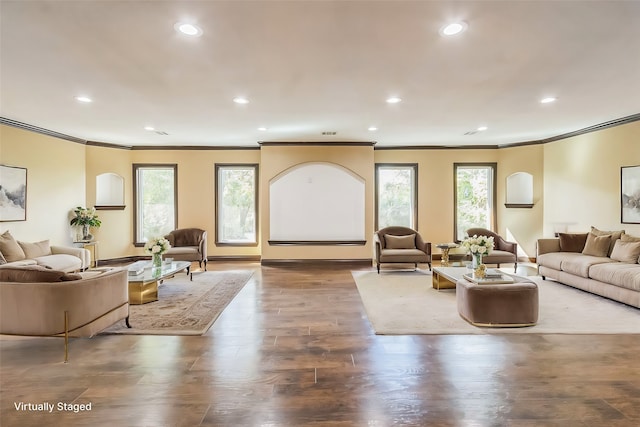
(627, 252)
(629, 238)
(35, 274)
(597, 245)
(615, 235)
(35, 250)
(10, 248)
(400, 242)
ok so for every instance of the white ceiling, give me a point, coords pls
(309, 67)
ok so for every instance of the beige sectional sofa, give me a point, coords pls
(16, 253)
(606, 263)
(36, 301)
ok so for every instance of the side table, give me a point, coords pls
(92, 246)
(444, 247)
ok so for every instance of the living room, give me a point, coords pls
(296, 345)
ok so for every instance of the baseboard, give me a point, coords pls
(367, 262)
(222, 258)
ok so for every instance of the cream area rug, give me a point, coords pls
(405, 303)
(184, 307)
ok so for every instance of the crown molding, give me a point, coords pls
(43, 131)
(608, 124)
(317, 143)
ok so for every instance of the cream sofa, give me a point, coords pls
(14, 253)
(608, 267)
(36, 301)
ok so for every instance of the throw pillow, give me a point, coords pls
(400, 242)
(597, 245)
(572, 242)
(2, 259)
(629, 238)
(30, 274)
(10, 248)
(35, 250)
(615, 235)
(627, 252)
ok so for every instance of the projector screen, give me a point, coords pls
(317, 202)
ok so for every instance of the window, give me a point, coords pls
(237, 204)
(396, 195)
(155, 208)
(475, 203)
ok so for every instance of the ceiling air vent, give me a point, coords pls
(159, 132)
(471, 132)
(329, 133)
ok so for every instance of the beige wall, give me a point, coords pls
(575, 180)
(196, 190)
(521, 225)
(582, 179)
(276, 159)
(55, 183)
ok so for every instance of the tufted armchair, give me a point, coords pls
(188, 244)
(401, 245)
(503, 251)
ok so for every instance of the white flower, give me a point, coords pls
(478, 244)
(158, 245)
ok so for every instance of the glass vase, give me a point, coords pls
(477, 260)
(478, 266)
(157, 260)
(85, 232)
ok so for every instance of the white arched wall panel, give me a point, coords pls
(317, 202)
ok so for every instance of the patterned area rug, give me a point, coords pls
(405, 303)
(184, 307)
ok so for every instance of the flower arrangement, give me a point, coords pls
(85, 216)
(157, 245)
(478, 246)
(481, 245)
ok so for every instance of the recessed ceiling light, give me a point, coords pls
(149, 128)
(188, 29)
(84, 99)
(393, 100)
(548, 100)
(262, 129)
(453, 28)
(481, 128)
(373, 128)
(240, 100)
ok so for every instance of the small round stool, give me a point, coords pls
(498, 305)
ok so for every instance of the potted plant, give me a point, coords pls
(85, 218)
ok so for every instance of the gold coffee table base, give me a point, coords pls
(439, 281)
(142, 293)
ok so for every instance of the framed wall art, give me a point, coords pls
(630, 194)
(13, 193)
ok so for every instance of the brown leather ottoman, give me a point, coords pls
(500, 305)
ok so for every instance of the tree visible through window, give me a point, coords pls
(475, 201)
(396, 195)
(236, 204)
(156, 205)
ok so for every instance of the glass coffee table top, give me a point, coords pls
(147, 273)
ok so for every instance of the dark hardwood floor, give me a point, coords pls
(295, 348)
